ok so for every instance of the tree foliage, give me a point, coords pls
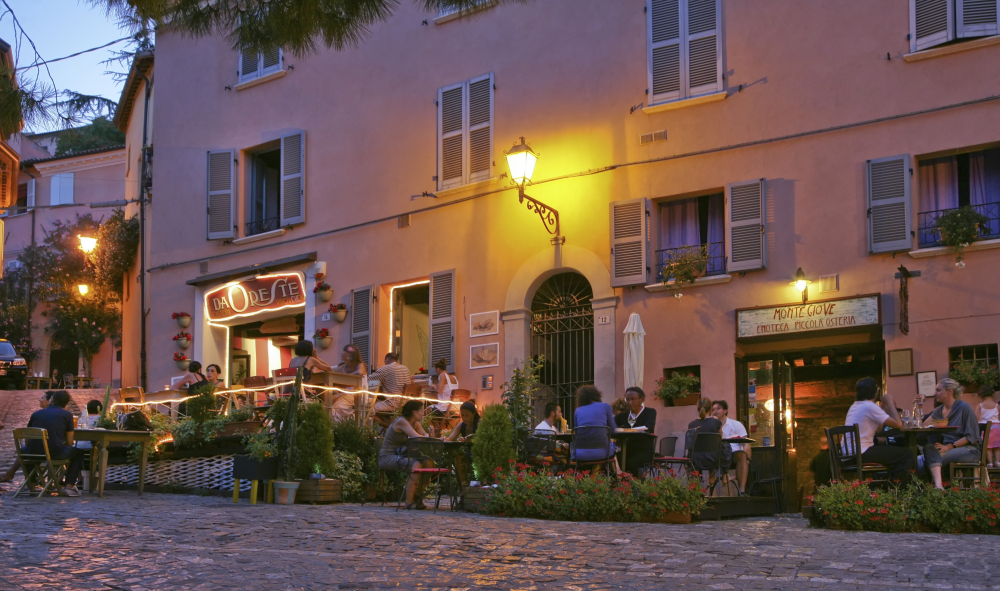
(493, 445)
(117, 247)
(100, 133)
(15, 313)
(519, 398)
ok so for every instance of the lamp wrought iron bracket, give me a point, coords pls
(548, 215)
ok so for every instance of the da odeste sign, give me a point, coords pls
(812, 316)
(254, 296)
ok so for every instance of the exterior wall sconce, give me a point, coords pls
(521, 161)
(84, 289)
(87, 243)
(801, 284)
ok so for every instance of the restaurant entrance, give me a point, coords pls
(787, 398)
(259, 348)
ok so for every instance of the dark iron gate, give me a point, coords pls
(562, 331)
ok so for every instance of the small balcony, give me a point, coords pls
(927, 224)
(714, 251)
(263, 225)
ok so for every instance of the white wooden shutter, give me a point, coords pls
(889, 204)
(270, 61)
(249, 66)
(221, 193)
(746, 228)
(293, 194)
(932, 22)
(629, 242)
(442, 317)
(451, 140)
(703, 55)
(31, 194)
(976, 18)
(61, 189)
(480, 128)
(663, 36)
(362, 309)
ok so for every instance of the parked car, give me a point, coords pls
(13, 367)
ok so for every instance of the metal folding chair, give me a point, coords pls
(592, 438)
(432, 449)
(666, 458)
(38, 467)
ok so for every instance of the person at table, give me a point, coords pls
(444, 386)
(553, 421)
(591, 412)
(820, 464)
(870, 419)
(56, 378)
(464, 432)
(989, 413)
(393, 455)
(640, 451)
(392, 378)
(213, 374)
(961, 445)
(706, 461)
(731, 429)
(43, 401)
(58, 422)
(193, 377)
(308, 360)
(350, 363)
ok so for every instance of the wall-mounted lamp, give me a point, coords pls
(801, 284)
(87, 243)
(521, 160)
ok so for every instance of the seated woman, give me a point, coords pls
(350, 363)
(445, 384)
(591, 412)
(464, 432)
(306, 358)
(706, 461)
(962, 445)
(393, 456)
(192, 378)
(213, 373)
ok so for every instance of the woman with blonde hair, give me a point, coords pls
(961, 445)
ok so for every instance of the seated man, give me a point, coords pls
(870, 418)
(731, 429)
(551, 425)
(392, 377)
(962, 445)
(639, 452)
(58, 422)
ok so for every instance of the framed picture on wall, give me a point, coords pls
(900, 362)
(926, 383)
(484, 324)
(484, 356)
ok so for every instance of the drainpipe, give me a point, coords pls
(143, 175)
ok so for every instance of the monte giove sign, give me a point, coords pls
(254, 296)
(812, 316)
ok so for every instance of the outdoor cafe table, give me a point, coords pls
(37, 382)
(623, 436)
(911, 435)
(79, 381)
(99, 453)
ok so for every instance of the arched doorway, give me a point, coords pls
(562, 331)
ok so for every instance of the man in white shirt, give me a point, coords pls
(553, 418)
(731, 429)
(870, 418)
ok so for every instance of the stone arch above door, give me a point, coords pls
(517, 308)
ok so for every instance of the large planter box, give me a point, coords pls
(318, 491)
(473, 498)
(671, 517)
(240, 428)
(247, 468)
(689, 400)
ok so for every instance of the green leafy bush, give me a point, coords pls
(968, 372)
(313, 441)
(685, 264)
(204, 404)
(192, 434)
(959, 228)
(678, 385)
(240, 415)
(349, 470)
(350, 438)
(493, 445)
(519, 396)
(260, 445)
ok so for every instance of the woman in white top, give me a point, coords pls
(989, 413)
(445, 384)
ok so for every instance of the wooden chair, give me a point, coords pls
(256, 398)
(845, 456)
(38, 467)
(597, 437)
(969, 472)
(132, 395)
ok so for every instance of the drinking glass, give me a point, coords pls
(631, 422)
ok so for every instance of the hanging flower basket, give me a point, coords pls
(339, 312)
(183, 340)
(182, 361)
(183, 319)
(323, 292)
(959, 228)
(680, 389)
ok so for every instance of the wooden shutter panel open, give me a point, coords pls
(221, 191)
(293, 179)
(746, 229)
(932, 22)
(976, 18)
(442, 319)
(480, 128)
(629, 250)
(362, 309)
(270, 61)
(249, 65)
(31, 194)
(889, 204)
(664, 58)
(451, 125)
(704, 59)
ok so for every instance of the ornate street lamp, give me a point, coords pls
(802, 284)
(84, 289)
(87, 243)
(521, 160)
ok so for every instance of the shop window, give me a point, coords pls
(264, 196)
(691, 227)
(944, 184)
(941, 22)
(980, 354)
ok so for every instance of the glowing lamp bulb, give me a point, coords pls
(84, 289)
(769, 405)
(800, 282)
(87, 243)
(521, 161)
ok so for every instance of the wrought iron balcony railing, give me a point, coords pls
(260, 226)
(927, 223)
(714, 251)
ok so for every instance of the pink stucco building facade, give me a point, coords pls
(776, 135)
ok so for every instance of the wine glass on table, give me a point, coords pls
(631, 421)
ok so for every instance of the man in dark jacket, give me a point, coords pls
(58, 422)
(640, 451)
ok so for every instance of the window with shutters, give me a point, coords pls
(264, 195)
(692, 227)
(947, 183)
(61, 188)
(939, 22)
(255, 65)
(22, 204)
(465, 133)
(684, 49)
(447, 13)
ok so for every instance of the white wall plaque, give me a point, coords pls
(808, 317)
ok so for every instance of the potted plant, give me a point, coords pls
(685, 264)
(183, 340)
(493, 445)
(339, 311)
(183, 319)
(322, 338)
(261, 460)
(323, 291)
(959, 228)
(973, 374)
(678, 389)
(240, 422)
(182, 361)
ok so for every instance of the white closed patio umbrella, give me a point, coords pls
(634, 352)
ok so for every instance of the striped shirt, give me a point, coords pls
(392, 377)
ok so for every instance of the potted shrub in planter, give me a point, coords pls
(314, 455)
(183, 319)
(339, 311)
(182, 361)
(685, 265)
(261, 461)
(959, 228)
(322, 338)
(240, 422)
(183, 340)
(679, 389)
(323, 292)
(972, 374)
(667, 500)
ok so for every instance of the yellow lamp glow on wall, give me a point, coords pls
(87, 243)
(521, 161)
(802, 284)
(84, 289)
